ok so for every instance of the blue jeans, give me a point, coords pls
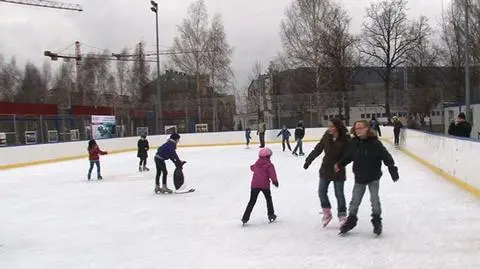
(299, 146)
(339, 194)
(96, 162)
(357, 196)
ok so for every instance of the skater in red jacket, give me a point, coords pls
(93, 155)
(263, 172)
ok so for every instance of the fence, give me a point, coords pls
(34, 129)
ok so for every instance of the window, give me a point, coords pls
(368, 115)
(325, 117)
(362, 116)
(384, 114)
(378, 115)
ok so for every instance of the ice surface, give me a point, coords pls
(52, 217)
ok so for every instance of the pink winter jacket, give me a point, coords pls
(263, 171)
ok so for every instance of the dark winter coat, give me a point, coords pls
(299, 132)
(142, 148)
(334, 151)
(285, 133)
(397, 126)
(462, 129)
(168, 151)
(367, 156)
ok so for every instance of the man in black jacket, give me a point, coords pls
(299, 134)
(367, 154)
(462, 128)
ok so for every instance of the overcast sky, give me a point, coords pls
(252, 26)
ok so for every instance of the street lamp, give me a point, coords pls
(158, 103)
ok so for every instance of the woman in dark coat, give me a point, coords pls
(334, 143)
(142, 153)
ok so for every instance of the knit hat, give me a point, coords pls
(462, 115)
(265, 152)
(175, 136)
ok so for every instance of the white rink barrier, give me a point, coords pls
(450, 157)
(11, 157)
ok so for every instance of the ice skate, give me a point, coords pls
(294, 153)
(302, 154)
(377, 224)
(158, 189)
(100, 178)
(145, 168)
(327, 217)
(244, 221)
(166, 190)
(89, 177)
(272, 218)
(342, 220)
(349, 224)
(140, 169)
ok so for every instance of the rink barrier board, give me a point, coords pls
(438, 171)
(111, 152)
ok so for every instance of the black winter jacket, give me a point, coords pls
(299, 132)
(367, 156)
(142, 148)
(334, 150)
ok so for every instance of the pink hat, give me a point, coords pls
(265, 152)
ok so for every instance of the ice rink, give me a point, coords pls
(52, 217)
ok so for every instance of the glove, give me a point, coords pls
(276, 185)
(393, 170)
(180, 164)
(306, 165)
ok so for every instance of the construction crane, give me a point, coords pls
(47, 4)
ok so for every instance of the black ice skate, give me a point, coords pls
(145, 168)
(244, 222)
(100, 177)
(348, 225)
(377, 224)
(140, 169)
(272, 218)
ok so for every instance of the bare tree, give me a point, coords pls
(339, 47)
(423, 93)
(47, 77)
(388, 35)
(255, 91)
(32, 88)
(209, 50)
(10, 78)
(303, 30)
(122, 73)
(63, 85)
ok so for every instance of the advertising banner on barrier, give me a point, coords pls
(103, 127)
(3, 139)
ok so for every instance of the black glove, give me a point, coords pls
(180, 164)
(393, 170)
(306, 165)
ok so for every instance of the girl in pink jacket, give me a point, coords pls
(263, 171)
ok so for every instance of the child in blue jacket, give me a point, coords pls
(165, 152)
(285, 133)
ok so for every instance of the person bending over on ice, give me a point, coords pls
(263, 172)
(367, 154)
(165, 152)
(334, 142)
(285, 133)
(93, 156)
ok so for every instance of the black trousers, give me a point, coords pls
(253, 199)
(288, 144)
(161, 170)
(261, 136)
(143, 161)
(397, 137)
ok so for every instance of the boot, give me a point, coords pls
(100, 177)
(327, 217)
(272, 218)
(377, 224)
(349, 224)
(158, 189)
(165, 189)
(140, 168)
(342, 220)
(145, 168)
(89, 177)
